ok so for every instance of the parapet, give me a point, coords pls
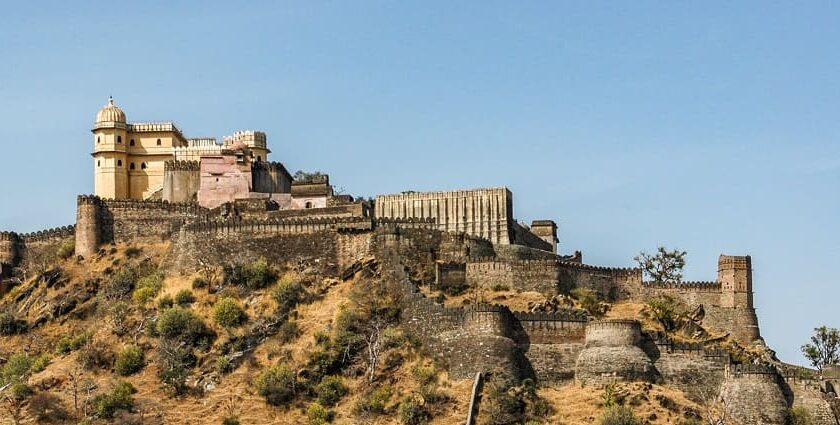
(54, 233)
(249, 137)
(9, 237)
(139, 127)
(613, 333)
(730, 262)
(737, 370)
(175, 165)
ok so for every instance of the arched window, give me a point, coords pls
(143, 166)
(131, 142)
(308, 205)
(259, 158)
(98, 163)
(158, 142)
(97, 139)
(131, 166)
(119, 163)
(119, 139)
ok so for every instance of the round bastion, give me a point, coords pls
(612, 354)
(752, 395)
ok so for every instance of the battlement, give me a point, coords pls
(202, 142)
(88, 200)
(285, 225)
(249, 137)
(737, 370)
(141, 127)
(562, 315)
(613, 333)
(9, 237)
(698, 286)
(410, 195)
(313, 179)
(54, 233)
(176, 165)
(732, 262)
(616, 270)
(155, 204)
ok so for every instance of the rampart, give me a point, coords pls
(752, 395)
(270, 177)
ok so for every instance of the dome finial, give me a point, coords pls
(110, 101)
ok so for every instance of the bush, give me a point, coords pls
(589, 301)
(375, 401)
(71, 343)
(47, 408)
(165, 302)
(799, 416)
(142, 296)
(288, 331)
(228, 313)
(499, 287)
(199, 283)
(174, 360)
(66, 249)
(120, 285)
(223, 364)
(40, 363)
(424, 375)
(277, 384)
(619, 415)
(15, 368)
(665, 311)
(95, 354)
(184, 297)
(120, 398)
(288, 294)
(503, 407)
(129, 360)
(330, 390)
(10, 325)
(319, 415)
(184, 325)
(412, 413)
(255, 275)
(230, 420)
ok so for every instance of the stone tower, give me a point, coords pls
(110, 154)
(735, 277)
(88, 233)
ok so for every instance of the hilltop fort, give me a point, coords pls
(214, 203)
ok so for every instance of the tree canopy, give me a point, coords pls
(662, 267)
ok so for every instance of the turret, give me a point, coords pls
(735, 278)
(547, 231)
(87, 225)
(110, 152)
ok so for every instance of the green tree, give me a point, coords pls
(663, 267)
(824, 348)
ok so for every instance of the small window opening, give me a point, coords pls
(308, 205)
(119, 139)
(158, 142)
(259, 158)
(143, 166)
(119, 163)
(131, 166)
(97, 139)
(98, 163)
(131, 142)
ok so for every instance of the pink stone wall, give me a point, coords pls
(223, 180)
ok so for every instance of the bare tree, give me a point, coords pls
(715, 408)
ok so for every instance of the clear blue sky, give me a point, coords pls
(712, 128)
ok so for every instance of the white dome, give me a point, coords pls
(110, 116)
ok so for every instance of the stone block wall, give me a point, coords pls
(753, 396)
(181, 181)
(538, 275)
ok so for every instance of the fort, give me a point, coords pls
(218, 203)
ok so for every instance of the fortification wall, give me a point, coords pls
(356, 209)
(9, 253)
(537, 275)
(27, 248)
(753, 396)
(612, 284)
(612, 353)
(807, 394)
(181, 181)
(271, 177)
(551, 342)
(522, 235)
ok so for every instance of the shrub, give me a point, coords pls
(230, 420)
(255, 275)
(375, 401)
(288, 331)
(174, 359)
(183, 325)
(424, 375)
(184, 296)
(619, 415)
(20, 390)
(319, 415)
(15, 368)
(589, 301)
(288, 294)
(412, 413)
(120, 285)
(503, 407)
(120, 398)
(66, 249)
(199, 283)
(799, 416)
(142, 296)
(165, 302)
(10, 325)
(40, 363)
(223, 364)
(276, 384)
(330, 390)
(228, 313)
(129, 360)
(665, 311)
(46, 408)
(71, 343)
(499, 287)
(95, 354)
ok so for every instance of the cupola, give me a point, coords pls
(110, 116)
